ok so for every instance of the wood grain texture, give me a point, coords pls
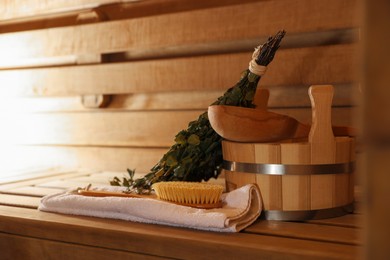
(100, 158)
(270, 185)
(343, 181)
(118, 128)
(280, 97)
(246, 21)
(350, 220)
(114, 9)
(14, 247)
(142, 129)
(55, 175)
(323, 146)
(33, 191)
(162, 240)
(26, 173)
(296, 189)
(19, 201)
(210, 72)
(238, 152)
(328, 233)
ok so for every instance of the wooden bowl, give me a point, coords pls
(251, 125)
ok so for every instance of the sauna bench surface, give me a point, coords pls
(26, 233)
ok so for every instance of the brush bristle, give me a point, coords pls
(188, 192)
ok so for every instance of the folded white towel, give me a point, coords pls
(241, 208)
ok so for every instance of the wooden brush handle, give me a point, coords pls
(93, 193)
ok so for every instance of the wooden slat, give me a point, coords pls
(19, 201)
(340, 115)
(142, 129)
(30, 174)
(114, 9)
(350, 220)
(280, 97)
(64, 184)
(152, 129)
(158, 240)
(33, 191)
(5, 188)
(246, 21)
(101, 158)
(120, 10)
(305, 66)
(316, 232)
(376, 172)
(102, 178)
(21, 173)
(14, 247)
(21, 8)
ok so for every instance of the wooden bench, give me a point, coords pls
(26, 233)
(106, 84)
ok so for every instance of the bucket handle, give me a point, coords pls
(321, 138)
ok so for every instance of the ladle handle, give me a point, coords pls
(323, 146)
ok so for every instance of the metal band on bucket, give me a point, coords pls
(299, 215)
(289, 169)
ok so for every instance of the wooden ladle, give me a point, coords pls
(260, 125)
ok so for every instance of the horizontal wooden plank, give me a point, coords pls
(350, 220)
(100, 178)
(33, 191)
(51, 186)
(22, 8)
(292, 41)
(33, 10)
(65, 184)
(317, 232)
(23, 173)
(19, 201)
(98, 158)
(280, 97)
(292, 67)
(341, 116)
(58, 175)
(14, 247)
(149, 34)
(158, 240)
(151, 129)
(141, 129)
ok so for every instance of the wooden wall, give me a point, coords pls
(157, 64)
(377, 128)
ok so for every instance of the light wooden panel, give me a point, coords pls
(377, 125)
(11, 245)
(143, 129)
(341, 116)
(333, 234)
(350, 221)
(149, 35)
(97, 158)
(12, 9)
(158, 239)
(304, 66)
(19, 201)
(152, 129)
(280, 97)
(30, 10)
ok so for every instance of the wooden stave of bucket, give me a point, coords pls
(297, 196)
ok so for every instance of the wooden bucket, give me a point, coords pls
(298, 180)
